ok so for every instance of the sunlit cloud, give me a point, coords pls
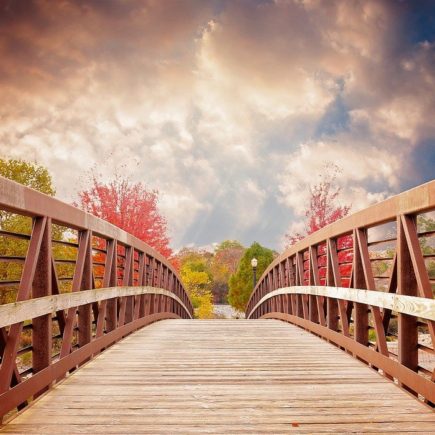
(229, 109)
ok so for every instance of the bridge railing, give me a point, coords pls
(70, 286)
(365, 283)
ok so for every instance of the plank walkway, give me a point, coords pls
(224, 376)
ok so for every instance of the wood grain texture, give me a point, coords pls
(413, 306)
(25, 310)
(224, 376)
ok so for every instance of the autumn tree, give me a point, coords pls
(241, 282)
(224, 264)
(197, 279)
(131, 207)
(323, 206)
(36, 177)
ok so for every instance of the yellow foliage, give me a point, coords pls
(205, 306)
(197, 282)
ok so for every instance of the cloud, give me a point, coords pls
(225, 107)
(305, 165)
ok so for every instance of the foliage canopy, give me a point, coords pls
(241, 282)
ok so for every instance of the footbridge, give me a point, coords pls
(97, 332)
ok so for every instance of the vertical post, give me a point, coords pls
(255, 277)
(111, 280)
(141, 282)
(128, 281)
(84, 311)
(42, 326)
(361, 333)
(331, 272)
(406, 285)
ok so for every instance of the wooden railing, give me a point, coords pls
(70, 286)
(366, 284)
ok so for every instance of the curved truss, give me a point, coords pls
(79, 285)
(332, 284)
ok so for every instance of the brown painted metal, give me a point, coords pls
(348, 262)
(87, 329)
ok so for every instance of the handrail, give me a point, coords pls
(76, 296)
(329, 283)
(410, 305)
(21, 311)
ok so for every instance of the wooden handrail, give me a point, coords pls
(410, 305)
(32, 308)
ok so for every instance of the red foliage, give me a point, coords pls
(176, 263)
(130, 207)
(321, 249)
(345, 256)
(322, 209)
(321, 261)
(345, 270)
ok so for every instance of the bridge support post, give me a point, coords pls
(42, 326)
(112, 279)
(361, 317)
(84, 317)
(332, 279)
(406, 285)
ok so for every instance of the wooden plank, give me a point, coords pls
(224, 376)
(410, 305)
(24, 310)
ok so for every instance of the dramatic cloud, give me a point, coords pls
(230, 109)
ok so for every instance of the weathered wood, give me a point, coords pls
(24, 310)
(223, 376)
(410, 305)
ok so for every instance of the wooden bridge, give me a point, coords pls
(339, 335)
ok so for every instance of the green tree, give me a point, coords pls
(224, 263)
(31, 175)
(241, 282)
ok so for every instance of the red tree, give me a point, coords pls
(130, 207)
(322, 209)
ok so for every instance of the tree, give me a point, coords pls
(131, 207)
(241, 282)
(322, 208)
(224, 263)
(197, 279)
(31, 175)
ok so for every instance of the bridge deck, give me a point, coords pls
(224, 376)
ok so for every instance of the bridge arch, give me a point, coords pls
(326, 284)
(117, 285)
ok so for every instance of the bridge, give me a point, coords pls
(338, 335)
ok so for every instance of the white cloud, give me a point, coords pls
(220, 108)
(359, 165)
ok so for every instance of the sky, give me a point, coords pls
(231, 109)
